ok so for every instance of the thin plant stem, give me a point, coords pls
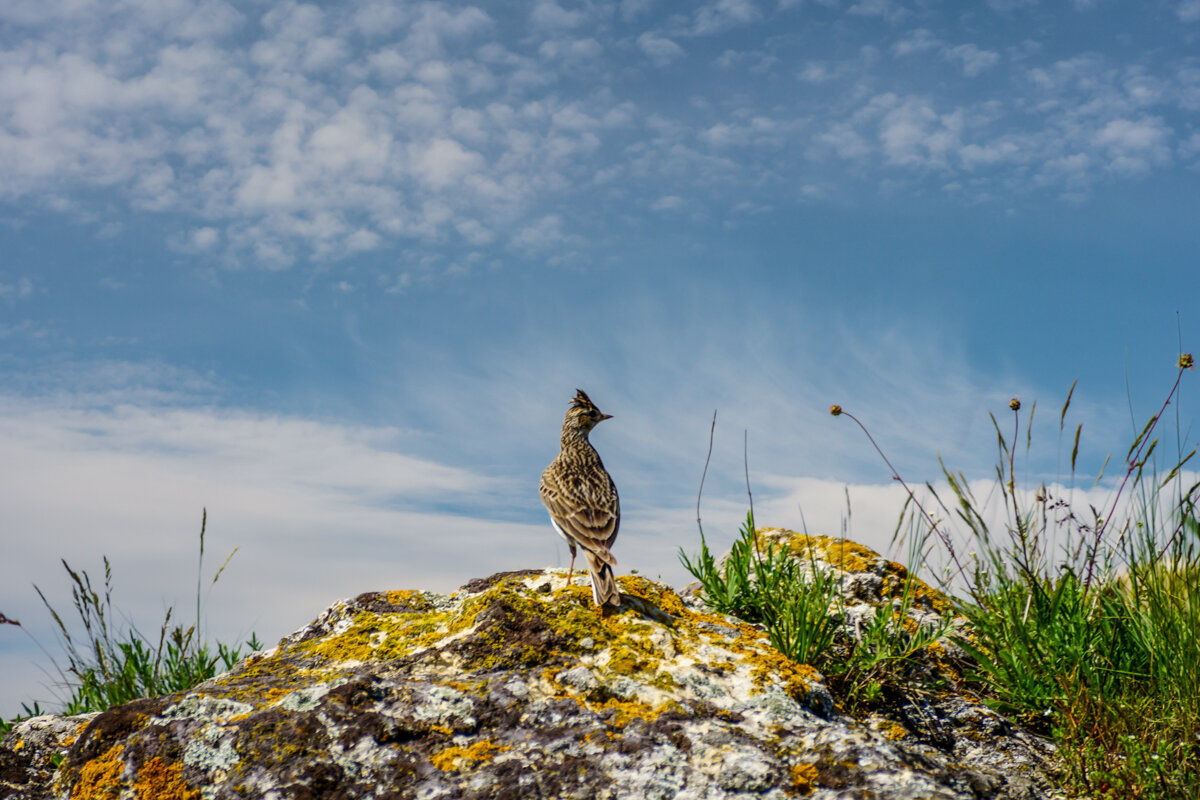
(1133, 465)
(746, 467)
(933, 524)
(711, 432)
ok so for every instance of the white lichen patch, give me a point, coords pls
(445, 705)
(198, 706)
(310, 696)
(211, 751)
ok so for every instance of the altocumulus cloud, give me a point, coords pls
(305, 132)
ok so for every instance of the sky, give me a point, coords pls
(333, 273)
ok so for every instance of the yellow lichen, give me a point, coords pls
(455, 758)
(380, 636)
(157, 780)
(851, 556)
(411, 598)
(100, 778)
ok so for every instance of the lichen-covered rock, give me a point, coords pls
(513, 687)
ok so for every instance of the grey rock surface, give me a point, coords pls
(515, 687)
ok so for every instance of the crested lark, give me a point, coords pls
(582, 499)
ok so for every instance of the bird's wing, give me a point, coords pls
(588, 513)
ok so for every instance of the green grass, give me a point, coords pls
(790, 599)
(800, 607)
(1085, 621)
(107, 664)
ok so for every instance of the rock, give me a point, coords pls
(515, 687)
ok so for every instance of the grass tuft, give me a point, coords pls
(801, 607)
(107, 666)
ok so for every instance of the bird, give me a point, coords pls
(582, 500)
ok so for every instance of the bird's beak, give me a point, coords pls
(605, 416)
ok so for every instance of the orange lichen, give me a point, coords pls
(157, 780)
(453, 759)
(804, 777)
(100, 778)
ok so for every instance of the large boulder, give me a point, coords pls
(516, 687)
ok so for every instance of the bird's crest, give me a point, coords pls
(581, 400)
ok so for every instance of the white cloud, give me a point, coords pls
(889, 10)
(919, 41)
(1190, 147)
(659, 49)
(667, 203)
(1134, 146)
(204, 238)
(549, 15)
(435, 124)
(475, 232)
(721, 15)
(362, 240)
(974, 60)
(444, 161)
(542, 234)
(20, 289)
(632, 9)
(913, 134)
(570, 50)
(1189, 11)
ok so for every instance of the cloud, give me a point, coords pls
(543, 234)
(632, 9)
(548, 15)
(919, 41)
(571, 51)
(362, 240)
(889, 10)
(439, 125)
(667, 203)
(443, 161)
(659, 49)
(20, 289)
(913, 134)
(1189, 11)
(722, 15)
(1134, 146)
(974, 60)
(1005, 6)
(280, 162)
(204, 238)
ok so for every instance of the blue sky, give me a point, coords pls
(334, 272)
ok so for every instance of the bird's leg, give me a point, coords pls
(571, 569)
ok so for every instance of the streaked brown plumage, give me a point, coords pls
(582, 499)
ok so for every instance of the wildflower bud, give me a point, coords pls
(1186, 361)
(1014, 404)
(835, 409)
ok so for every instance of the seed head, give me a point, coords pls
(835, 409)
(1014, 404)
(1186, 361)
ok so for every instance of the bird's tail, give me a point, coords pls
(604, 582)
